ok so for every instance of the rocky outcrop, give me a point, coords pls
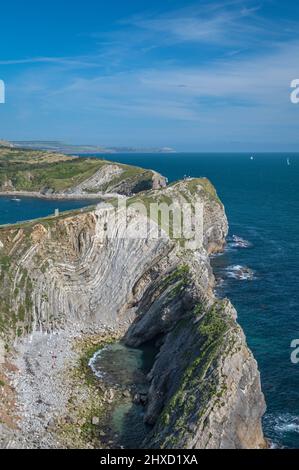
(205, 385)
(100, 178)
(89, 271)
(53, 174)
(158, 181)
(114, 178)
(208, 394)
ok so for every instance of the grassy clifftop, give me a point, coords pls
(46, 172)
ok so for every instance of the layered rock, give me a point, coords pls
(53, 174)
(89, 270)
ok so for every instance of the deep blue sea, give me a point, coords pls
(26, 208)
(261, 198)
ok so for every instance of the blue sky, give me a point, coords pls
(194, 75)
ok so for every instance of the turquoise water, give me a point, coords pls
(126, 368)
(122, 365)
(261, 199)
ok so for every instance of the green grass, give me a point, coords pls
(57, 176)
(197, 385)
(197, 185)
(35, 171)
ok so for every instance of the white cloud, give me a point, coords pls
(226, 23)
(76, 62)
(247, 94)
(190, 93)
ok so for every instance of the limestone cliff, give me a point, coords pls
(50, 174)
(70, 274)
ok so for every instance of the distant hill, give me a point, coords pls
(56, 146)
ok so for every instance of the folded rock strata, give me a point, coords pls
(66, 273)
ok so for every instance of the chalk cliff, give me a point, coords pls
(54, 174)
(71, 274)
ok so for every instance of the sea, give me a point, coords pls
(16, 209)
(259, 270)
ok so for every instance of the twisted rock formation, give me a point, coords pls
(88, 270)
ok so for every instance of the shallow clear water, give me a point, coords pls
(122, 365)
(126, 367)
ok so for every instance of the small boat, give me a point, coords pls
(252, 158)
(288, 162)
(15, 199)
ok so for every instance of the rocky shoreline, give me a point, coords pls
(58, 402)
(61, 403)
(68, 287)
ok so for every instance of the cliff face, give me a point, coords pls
(208, 394)
(51, 174)
(71, 273)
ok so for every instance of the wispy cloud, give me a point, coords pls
(198, 93)
(204, 24)
(77, 62)
(136, 73)
(233, 24)
(226, 23)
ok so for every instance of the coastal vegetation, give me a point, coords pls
(51, 173)
(67, 289)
